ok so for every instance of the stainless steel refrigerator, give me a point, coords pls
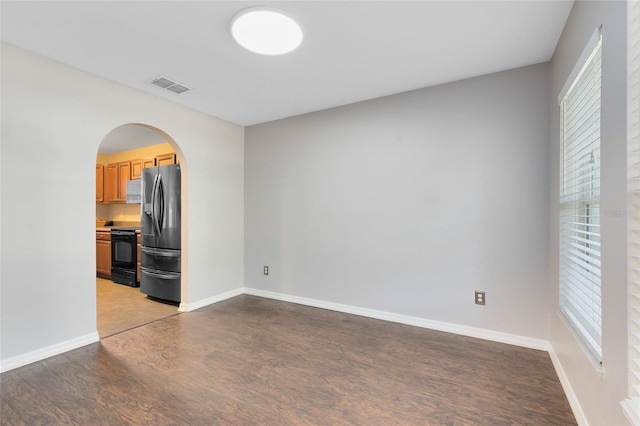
(160, 232)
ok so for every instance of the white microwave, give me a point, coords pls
(134, 191)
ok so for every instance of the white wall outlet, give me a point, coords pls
(265, 270)
(480, 298)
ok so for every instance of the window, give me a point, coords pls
(632, 403)
(579, 298)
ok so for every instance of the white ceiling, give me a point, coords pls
(352, 51)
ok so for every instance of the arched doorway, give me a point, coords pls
(122, 155)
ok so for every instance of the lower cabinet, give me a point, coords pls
(103, 254)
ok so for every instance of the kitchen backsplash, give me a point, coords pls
(119, 212)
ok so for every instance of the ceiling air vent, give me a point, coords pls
(167, 83)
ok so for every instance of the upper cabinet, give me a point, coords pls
(111, 179)
(124, 175)
(136, 169)
(159, 160)
(99, 183)
(166, 159)
(138, 165)
(116, 176)
(111, 183)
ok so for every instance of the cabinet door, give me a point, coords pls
(124, 175)
(166, 159)
(149, 162)
(136, 169)
(103, 258)
(99, 183)
(116, 176)
(111, 183)
(138, 165)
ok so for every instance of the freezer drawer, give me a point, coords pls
(160, 284)
(160, 259)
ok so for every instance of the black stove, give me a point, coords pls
(124, 259)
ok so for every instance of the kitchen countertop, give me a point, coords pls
(116, 225)
(110, 227)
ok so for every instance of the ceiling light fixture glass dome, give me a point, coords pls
(266, 30)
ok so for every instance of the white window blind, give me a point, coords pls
(632, 403)
(579, 298)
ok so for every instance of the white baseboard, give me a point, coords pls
(464, 330)
(37, 355)
(188, 307)
(46, 352)
(58, 348)
(568, 389)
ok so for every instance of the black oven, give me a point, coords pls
(124, 262)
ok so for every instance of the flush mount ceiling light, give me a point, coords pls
(266, 30)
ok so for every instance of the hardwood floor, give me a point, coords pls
(121, 308)
(250, 361)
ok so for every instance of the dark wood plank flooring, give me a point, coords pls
(249, 360)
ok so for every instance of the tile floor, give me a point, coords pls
(121, 308)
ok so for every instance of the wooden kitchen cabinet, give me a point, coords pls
(166, 159)
(111, 179)
(124, 175)
(116, 176)
(149, 162)
(136, 169)
(138, 165)
(103, 254)
(99, 183)
(111, 183)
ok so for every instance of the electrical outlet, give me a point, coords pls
(480, 298)
(265, 271)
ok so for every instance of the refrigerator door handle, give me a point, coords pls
(160, 193)
(162, 276)
(156, 252)
(154, 191)
(154, 207)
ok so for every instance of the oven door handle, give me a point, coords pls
(125, 233)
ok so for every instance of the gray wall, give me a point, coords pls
(599, 395)
(409, 203)
(54, 118)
